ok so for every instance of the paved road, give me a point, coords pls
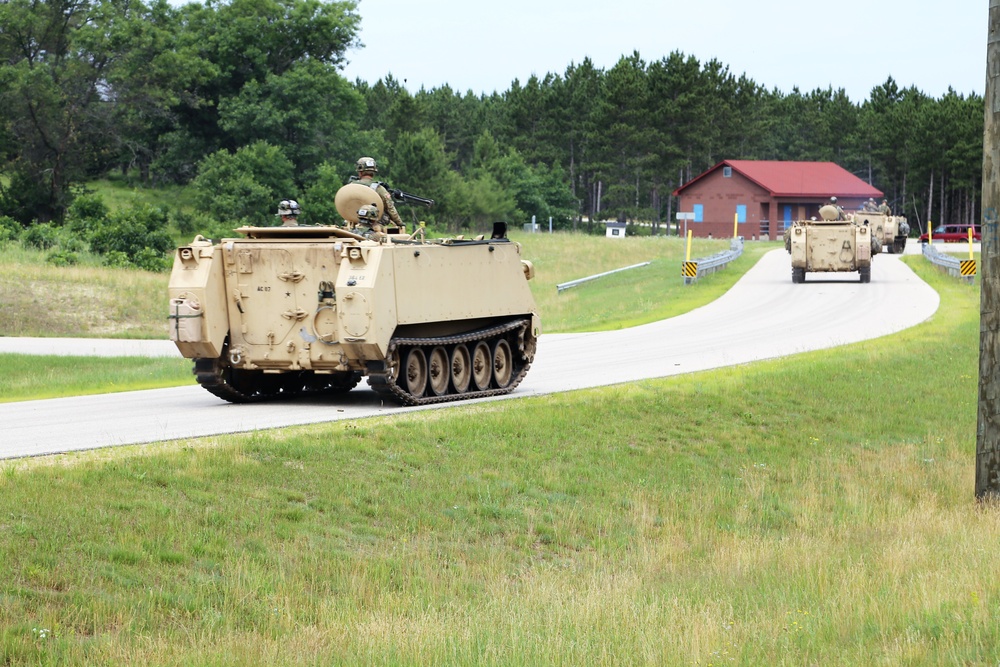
(763, 316)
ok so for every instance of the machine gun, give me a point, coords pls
(399, 195)
(407, 198)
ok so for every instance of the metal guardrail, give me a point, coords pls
(573, 283)
(706, 265)
(959, 268)
(699, 267)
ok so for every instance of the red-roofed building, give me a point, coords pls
(765, 196)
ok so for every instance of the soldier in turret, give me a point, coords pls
(884, 208)
(369, 223)
(840, 210)
(366, 176)
(289, 211)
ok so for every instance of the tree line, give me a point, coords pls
(244, 101)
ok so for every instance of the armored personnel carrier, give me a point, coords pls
(279, 311)
(890, 230)
(832, 243)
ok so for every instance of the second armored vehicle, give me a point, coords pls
(831, 244)
(890, 230)
(278, 311)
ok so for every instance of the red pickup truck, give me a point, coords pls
(953, 233)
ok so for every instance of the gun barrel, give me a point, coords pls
(399, 195)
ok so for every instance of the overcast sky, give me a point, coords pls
(483, 46)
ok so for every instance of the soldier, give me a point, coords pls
(366, 176)
(288, 211)
(870, 206)
(840, 211)
(368, 220)
(884, 208)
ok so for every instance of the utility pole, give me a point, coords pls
(988, 430)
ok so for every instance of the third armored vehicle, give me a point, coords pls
(831, 244)
(277, 311)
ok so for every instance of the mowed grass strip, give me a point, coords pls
(816, 509)
(29, 377)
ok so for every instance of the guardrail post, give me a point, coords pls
(964, 269)
(694, 269)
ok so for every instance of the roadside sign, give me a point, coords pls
(685, 217)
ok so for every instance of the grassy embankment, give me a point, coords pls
(90, 301)
(816, 509)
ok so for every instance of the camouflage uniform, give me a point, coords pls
(884, 208)
(369, 222)
(366, 176)
(840, 211)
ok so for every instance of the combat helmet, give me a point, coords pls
(368, 215)
(288, 207)
(367, 164)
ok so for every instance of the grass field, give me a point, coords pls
(37, 299)
(812, 510)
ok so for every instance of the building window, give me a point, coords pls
(727, 172)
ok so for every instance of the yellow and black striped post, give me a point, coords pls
(690, 269)
(968, 268)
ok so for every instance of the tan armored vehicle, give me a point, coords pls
(890, 230)
(831, 244)
(279, 311)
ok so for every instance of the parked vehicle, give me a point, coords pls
(952, 233)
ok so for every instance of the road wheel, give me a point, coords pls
(438, 369)
(461, 369)
(415, 375)
(482, 367)
(503, 363)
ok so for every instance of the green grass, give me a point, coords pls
(119, 193)
(628, 298)
(37, 299)
(30, 377)
(816, 509)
